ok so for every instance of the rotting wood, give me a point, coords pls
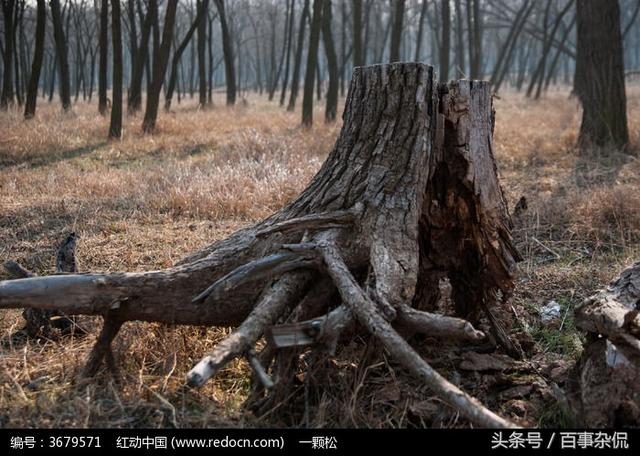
(603, 389)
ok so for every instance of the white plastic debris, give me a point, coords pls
(550, 311)
(615, 357)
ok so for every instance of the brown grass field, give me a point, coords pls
(145, 202)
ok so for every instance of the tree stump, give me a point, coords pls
(408, 195)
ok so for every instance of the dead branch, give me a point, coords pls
(286, 291)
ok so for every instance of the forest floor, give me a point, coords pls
(147, 201)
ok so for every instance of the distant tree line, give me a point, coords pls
(192, 48)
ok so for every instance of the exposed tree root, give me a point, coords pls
(369, 317)
(284, 292)
(102, 349)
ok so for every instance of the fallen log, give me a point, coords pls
(408, 196)
(604, 388)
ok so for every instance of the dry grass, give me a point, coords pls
(146, 201)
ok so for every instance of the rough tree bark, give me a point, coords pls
(599, 77)
(604, 390)
(408, 195)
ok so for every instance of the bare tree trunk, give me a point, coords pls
(7, 98)
(32, 92)
(94, 53)
(420, 37)
(285, 79)
(54, 72)
(115, 127)
(343, 46)
(134, 100)
(203, 13)
(358, 54)
(600, 84)
(318, 85)
(445, 44)
(554, 63)
(104, 55)
(176, 60)
(408, 195)
(506, 51)
(17, 24)
(227, 50)
(549, 36)
(210, 94)
(312, 63)
(396, 31)
(478, 28)
(159, 63)
(24, 49)
(61, 53)
(133, 38)
(332, 63)
(295, 81)
(460, 60)
(192, 58)
(278, 72)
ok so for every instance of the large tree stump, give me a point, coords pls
(408, 195)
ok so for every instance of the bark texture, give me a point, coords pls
(408, 195)
(599, 79)
(604, 391)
